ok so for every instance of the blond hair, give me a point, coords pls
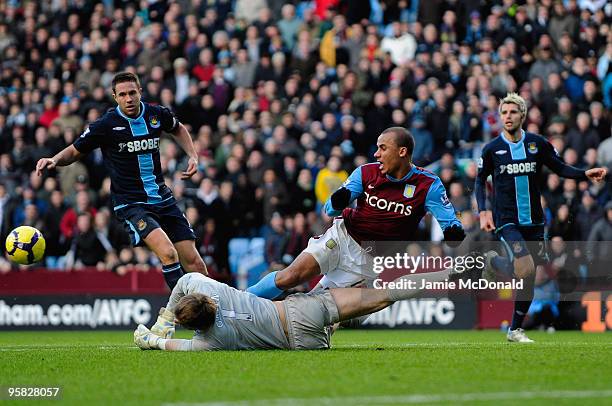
(514, 98)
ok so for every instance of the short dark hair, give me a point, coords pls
(195, 312)
(124, 77)
(402, 138)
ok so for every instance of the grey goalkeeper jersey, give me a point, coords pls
(243, 321)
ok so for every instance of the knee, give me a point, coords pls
(168, 255)
(196, 264)
(524, 269)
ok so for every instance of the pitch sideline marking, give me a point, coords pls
(406, 399)
(37, 347)
(470, 345)
(467, 345)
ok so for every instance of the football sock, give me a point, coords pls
(503, 264)
(172, 273)
(266, 287)
(522, 302)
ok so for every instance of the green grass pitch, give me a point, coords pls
(363, 368)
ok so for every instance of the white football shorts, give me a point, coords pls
(343, 262)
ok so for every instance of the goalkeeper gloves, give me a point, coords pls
(164, 326)
(341, 198)
(453, 235)
(145, 339)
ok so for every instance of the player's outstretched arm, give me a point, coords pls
(146, 340)
(63, 158)
(438, 204)
(485, 168)
(164, 326)
(597, 174)
(183, 137)
(556, 164)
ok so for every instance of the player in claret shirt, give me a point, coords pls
(515, 159)
(128, 136)
(392, 197)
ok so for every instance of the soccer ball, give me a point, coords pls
(25, 245)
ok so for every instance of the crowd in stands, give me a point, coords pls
(284, 99)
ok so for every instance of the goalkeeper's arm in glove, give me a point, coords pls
(454, 235)
(146, 340)
(164, 326)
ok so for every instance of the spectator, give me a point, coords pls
(56, 242)
(87, 77)
(303, 198)
(244, 69)
(332, 48)
(582, 137)
(574, 84)
(179, 82)
(423, 142)
(562, 21)
(604, 153)
(289, 25)
(68, 223)
(273, 193)
(588, 214)
(475, 30)
(50, 112)
(297, 238)
(329, 179)
(598, 251)
(5, 205)
(276, 241)
(28, 197)
(87, 249)
(401, 45)
(599, 122)
(562, 225)
(249, 10)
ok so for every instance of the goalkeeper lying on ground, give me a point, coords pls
(228, 319)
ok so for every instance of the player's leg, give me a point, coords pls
(355, 302)
(143, 227)
(524, 268)
(182, 237)
(325, 284)
(496, 262)
(310, 316)
(321, 255)
(162, 247)
(301, 270)
(190, 257)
